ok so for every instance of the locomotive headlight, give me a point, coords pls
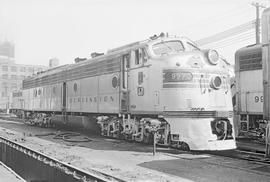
(216, 82)
(213, 56)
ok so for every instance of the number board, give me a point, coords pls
(176, 76)
(252, 101)
(258, 98)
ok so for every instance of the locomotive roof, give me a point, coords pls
(110, 54)
(249, 48)
(249, 58)
(57, 74)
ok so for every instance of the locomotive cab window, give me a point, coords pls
(168, 47)
(137, 57)
(126, 59)
(144, 56)
(140, 56)
(125, 64)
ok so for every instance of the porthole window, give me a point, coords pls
(115, 81)
(75, 87)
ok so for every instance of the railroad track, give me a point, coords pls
(242, 155)
(237, 154)
(12, 151)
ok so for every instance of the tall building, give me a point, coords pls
(12, 74)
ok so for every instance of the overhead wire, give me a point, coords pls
(240, 28)
(238, 10)
(231, 13)
(231, 41)
(235, 35)
(234, 41)
(224, 37)
(227, 33)
(238, 41)
(249, 33)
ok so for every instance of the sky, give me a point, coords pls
(66, 29)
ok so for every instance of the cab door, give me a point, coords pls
(64, 97)
(124, 90)
(138, 82)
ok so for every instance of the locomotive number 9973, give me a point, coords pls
(178, 76)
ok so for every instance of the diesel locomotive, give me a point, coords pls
(249, 91)
(164, 84)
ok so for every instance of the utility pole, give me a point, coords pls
(257, 26)
(266, 76)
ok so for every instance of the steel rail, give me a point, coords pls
(237, 154)
(242, 155)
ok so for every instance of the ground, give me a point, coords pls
(133, 161)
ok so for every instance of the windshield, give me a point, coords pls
(167, 47)
(191, 47)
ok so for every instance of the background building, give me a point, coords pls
(12, 74)
(53, 62)
(7, 49)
